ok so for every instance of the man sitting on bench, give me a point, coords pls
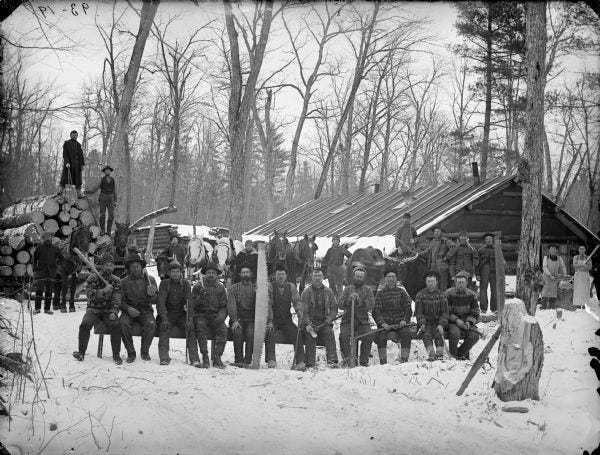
(463, 310)
(174, 294)
(431, 311)
(104, 302)
(138, 295)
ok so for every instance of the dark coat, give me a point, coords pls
(210, 301)
(72, 154)
(45, 260)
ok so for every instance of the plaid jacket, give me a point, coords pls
(111, 302)
(431, 307)
(462, 305)
(392, 306)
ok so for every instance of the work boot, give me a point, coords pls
(205, 361)
(131, 357)
(331, 365)
(382, 355)
(197, 364)
(271, 364)
(118, 360)
(239, 364)
(165, 361)
(217, 362)
(300, 366)
(146, 356)
(431, 353)
(404, 355)
(71, 310)
(439, 352)
(36, 311)
(48, 311)
(79, 355)
(63, 310)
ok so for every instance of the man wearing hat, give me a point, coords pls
(392, 312)
(405, 235)
(209, 303)
(334, 261)
(463, 313)
(285, 295)
(45, 260)
(104, 302)
(174, 294)
(73, 164)
(431, 311)
(487, 273)
(107, 198)
(138, 294)
(463, 257)
(241, 304)
(318, 310)
(174, 252)
(249, 256)
(363, 306)
(437, 254)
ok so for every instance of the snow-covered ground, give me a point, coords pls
(145, 408)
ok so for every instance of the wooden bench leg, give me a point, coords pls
(212, 351)
(100, 345)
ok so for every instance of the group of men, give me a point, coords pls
(447, 258)
(198, 313)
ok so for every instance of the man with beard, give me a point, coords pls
(463, 257)
(363, 305)
(248, 256)
(209, 301)
(334, 261)
(319, 309)
(104, 301)
(431, 311)
(392, 312)
(241, 303)
(463, 311)
(138, 295)
(73, 164)
(487, 274)
(437, 252)
(405, 235)
(285, 295)
(174, 294)
(45, 260)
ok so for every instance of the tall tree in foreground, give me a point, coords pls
(241, 99)
(531, 166)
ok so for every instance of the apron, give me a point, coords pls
(550, 285)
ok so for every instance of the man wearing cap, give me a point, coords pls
(104, 302)
(463, 257)
(463, 311)
(73, 164)
(241, 303)
(107, 198)
(392, 312)
(248, 256)
(138, 294)
(174, 294)
(285, 295)
(209, 304)
(174, 252)
(405, 235)
(45, 259)
(437, 256)
(334, 261)
(363, 306)
(487, 273)
(431, 311)
(317, 312)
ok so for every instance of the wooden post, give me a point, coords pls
(500, 273)
(353, 342)
(520, 356)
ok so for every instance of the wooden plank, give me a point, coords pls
(500, 277)
(261, 307)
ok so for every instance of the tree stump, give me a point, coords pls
(520, 356)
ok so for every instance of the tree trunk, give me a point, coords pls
(531, 165)
(176, 125)
(488, 98)
(520, 354)
(548, 167)
(347, 153)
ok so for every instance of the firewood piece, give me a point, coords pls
(48, 205)
(16, 237)
(521, 409)
(66, 206)
(86, 218)
(66, 229)
(520, 355)
(19, 270)
(73, 223)
(23, 257)
(74, 213)
(50, 225)
(83, 204)
(29, 270)
(6, 250)
(95, 231)
(7, 222)
(64, 216)
(5, 270)
(92, 247)
(7, 260)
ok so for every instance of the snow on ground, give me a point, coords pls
(145, 408)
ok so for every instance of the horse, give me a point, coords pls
(304, 251)
(196, 255)
(280, 251)
(372, 260)
(70, 265)
(410, 269)
(223, 254)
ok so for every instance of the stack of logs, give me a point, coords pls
(22, 225)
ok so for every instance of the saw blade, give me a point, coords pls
(262, 306)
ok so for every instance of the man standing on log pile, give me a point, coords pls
(363, 305)
(463, 257)
(487, 274)
(463, 311)
(285, 295)
(73, 164)
(334, 261)
(392, 312)
(209, 301)
(437, 254)
(138, 295)
(241, 304)
(104, 302)
(45, 259)
(174, 295)
(431, 311)
(107, 199)
(319, 309)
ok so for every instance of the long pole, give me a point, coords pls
(352, 360)
(90, 265)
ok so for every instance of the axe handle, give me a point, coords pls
(90, 265)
